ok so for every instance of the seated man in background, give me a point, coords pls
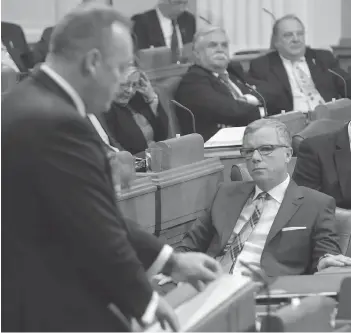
(214, 92)
(301, 75)
(268, 223)
(136, 118)
(324, 164)
(169, 24)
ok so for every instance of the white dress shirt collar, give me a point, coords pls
(71, 92)
(167, 29)
(277, 192)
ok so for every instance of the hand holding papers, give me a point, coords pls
(228, 302)
(227, 137)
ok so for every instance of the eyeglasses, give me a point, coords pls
(263, 150)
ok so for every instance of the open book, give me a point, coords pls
(196, 310)
(227, 137)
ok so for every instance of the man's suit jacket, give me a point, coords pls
(211, 101)
(41, 48)
(269, 70)
(123, 128)
(148, 32)
(324, 164)
(66, 250)
(15, 41)
(285, 252)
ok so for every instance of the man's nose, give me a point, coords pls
(256, 156)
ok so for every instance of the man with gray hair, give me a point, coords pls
(268, 223)
(216, 93)
(302, 77)
(70, 261)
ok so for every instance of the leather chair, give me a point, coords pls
(317, 127)
(337, 110)
(343, 228)
(15, 41)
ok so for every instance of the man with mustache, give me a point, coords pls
(300, 74)
(212, 90)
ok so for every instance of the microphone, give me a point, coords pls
(270, 14)
(205, 19)
(188, 110)
(342, 78)
(253, 87)
(259, 276)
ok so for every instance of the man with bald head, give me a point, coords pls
(300, 75)
(70, 262)
(213, 90)
(169, 24)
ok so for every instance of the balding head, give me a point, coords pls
(211, 48)
(90, 47)
(288, 37)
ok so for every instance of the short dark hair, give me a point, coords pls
(85, 28)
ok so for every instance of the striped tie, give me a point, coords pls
(239, 239)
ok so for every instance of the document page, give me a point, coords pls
(201, 305)
(226, 137)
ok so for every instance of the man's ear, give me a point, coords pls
(289, 153)
(91, 61)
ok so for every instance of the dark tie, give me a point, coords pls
(239, 239)
(174, 43)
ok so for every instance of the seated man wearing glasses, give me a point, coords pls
(269, 223)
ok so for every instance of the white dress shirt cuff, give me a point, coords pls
(160, 261)
(251, 99)
(149, 314)
(262, 113)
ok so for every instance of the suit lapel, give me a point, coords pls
(279, 71)
(317, 73)
(155, 30)
(232, 208)
(289, 206)
(343, 162)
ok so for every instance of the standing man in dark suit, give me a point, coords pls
(70, 262)
(301, 75)
(269, 223)
(215, 92)
(169, 23)
(324, 164)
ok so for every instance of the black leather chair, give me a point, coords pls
(314, 128)
(15, 41)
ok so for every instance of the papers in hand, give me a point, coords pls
(204, 303)
(227, 137)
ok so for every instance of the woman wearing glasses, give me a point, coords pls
(136, 117)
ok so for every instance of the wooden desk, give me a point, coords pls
(228, 156)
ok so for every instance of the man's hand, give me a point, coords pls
(198, 269)
(165, 314)
(334, 261)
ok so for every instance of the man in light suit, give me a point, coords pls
(299, 74)
(269, 223)
(155, 27)
(324, 164)
(70, 262)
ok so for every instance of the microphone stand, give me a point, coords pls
(342, 78)
(188, 110)
(262, 98)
